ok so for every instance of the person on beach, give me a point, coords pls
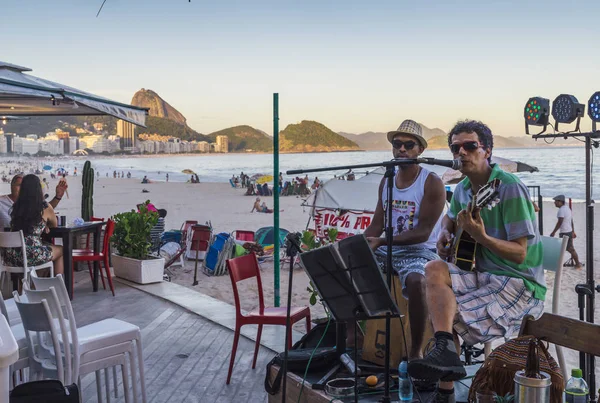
(167, 177)
(564, 226)
(417, 205)
(260, 208)
(7, 201)
(507, 282)
(33, 215)
(145, 179)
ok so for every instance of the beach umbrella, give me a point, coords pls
(188, 172)
(264, 179)
(47, 167)
(452, 176)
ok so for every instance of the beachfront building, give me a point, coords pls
(99, 144)
(203, 146)
(126, 132)
(222, 144)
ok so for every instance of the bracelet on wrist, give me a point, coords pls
(58, 198)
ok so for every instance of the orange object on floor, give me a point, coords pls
(88, 255)
(242, 268)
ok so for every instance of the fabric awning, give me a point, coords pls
(25, 95)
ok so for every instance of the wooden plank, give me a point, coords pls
(566, 332)
(295, 392)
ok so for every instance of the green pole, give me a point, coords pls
(276, 193)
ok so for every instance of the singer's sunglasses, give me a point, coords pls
(408, 145)
(467, 145)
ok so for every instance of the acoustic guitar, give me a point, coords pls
(464, 248)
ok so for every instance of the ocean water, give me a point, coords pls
(561, 169)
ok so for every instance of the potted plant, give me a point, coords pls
(131, 240)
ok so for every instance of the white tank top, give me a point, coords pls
(406, 209)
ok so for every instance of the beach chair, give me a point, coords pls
(242, 235)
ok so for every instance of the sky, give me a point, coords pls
(354, 66)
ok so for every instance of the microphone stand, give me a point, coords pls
(292, 243)
(390, 172)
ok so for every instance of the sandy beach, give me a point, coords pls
(228, 210)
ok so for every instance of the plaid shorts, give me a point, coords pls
(405, 261)
(490, 306)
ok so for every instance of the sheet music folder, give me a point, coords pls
(348, 279)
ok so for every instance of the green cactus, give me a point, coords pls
(87, 195)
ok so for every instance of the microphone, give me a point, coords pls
(454, 164)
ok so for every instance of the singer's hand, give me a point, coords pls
(443, 244)
(375, 242)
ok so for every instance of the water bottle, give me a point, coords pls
(577, 390)
(405, 389)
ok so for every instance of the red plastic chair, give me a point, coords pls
(87, 246)
(242, 235)
(87, 255)
(245, 267)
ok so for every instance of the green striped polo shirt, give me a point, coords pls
(513, 218)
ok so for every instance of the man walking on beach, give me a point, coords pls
(417, 205)
(507, 282)
(564, 226)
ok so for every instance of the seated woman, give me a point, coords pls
(250, 190)
(32, 214)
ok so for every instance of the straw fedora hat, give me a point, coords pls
(410, 128)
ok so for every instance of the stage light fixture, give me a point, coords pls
(536, 113)
(566, 109)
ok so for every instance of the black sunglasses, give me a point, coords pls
(408, 145)
(467, 145)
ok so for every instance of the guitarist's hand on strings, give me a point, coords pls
(472, 223)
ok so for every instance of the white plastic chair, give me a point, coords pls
(38, 325)
(93, 362)
(554, 254)
(16, 240)
(19, 335)
(100, 338)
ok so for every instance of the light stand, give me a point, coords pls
(389, 175)
(586, 292)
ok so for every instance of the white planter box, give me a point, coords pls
(139, 271)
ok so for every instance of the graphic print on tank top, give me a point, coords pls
(403, 212)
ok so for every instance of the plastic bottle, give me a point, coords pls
(405, 389)
(576, 390)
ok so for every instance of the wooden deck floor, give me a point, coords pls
(186, 356)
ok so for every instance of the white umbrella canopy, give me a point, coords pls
(25, 95)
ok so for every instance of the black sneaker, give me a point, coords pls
(441, 363)
(438, 397)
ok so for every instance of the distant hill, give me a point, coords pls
(438, 139)
(378, 140)
(310, 136)
(158, 107)
(167, 127)
(242, 138)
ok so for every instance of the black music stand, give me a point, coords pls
(351, 285)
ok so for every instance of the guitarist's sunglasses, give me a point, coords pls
(408, 145)
(467, 145)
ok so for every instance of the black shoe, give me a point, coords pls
(424, 385)
(438, 397)
(441, 363)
